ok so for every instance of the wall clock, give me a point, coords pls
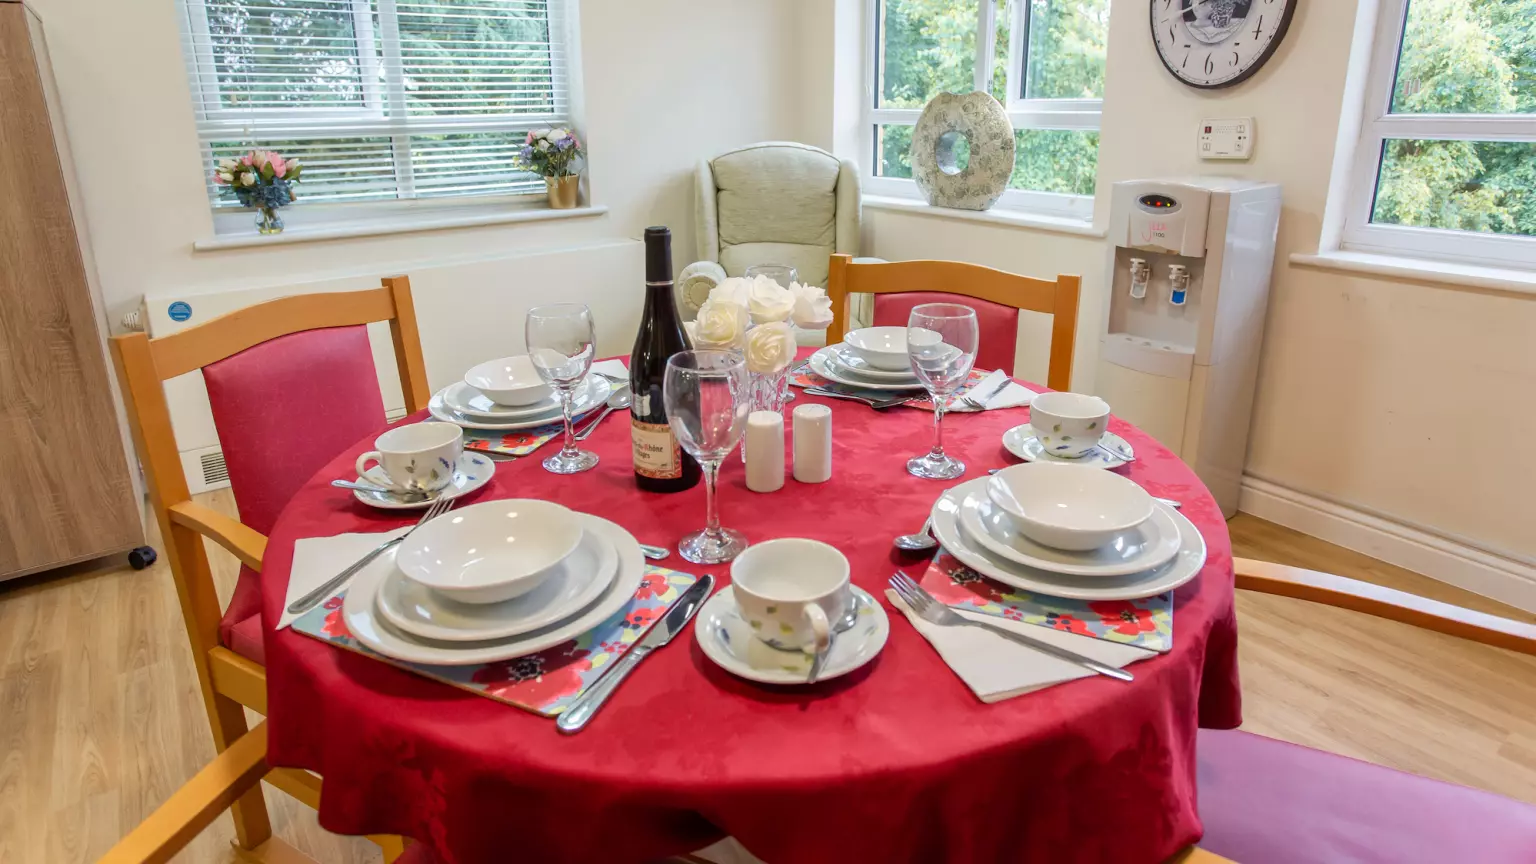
(1217, 43)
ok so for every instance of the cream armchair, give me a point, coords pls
(776, 202)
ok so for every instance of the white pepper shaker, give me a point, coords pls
(765, 451)
(813, 443)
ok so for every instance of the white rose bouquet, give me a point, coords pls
(770, 348)
(720, 324)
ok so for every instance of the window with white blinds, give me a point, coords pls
(379, 99)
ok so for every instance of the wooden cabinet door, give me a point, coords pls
(65, 490)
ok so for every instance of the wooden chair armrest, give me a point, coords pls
(245, 542)
(1196, 855)
(209, 793)
(1394, 605)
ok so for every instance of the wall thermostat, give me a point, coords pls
(1226, 139)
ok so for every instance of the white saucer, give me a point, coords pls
(841, 358)
(358, 611)
(472, 403)
(727, 639)
(472, 471)
(821, 364)
(576, 582)
(1150, 544)
(592, 396)
(1184, 566)
(1021, 442)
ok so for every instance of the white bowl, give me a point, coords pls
(492, 551)
(881, 347)
(1069, 506)
(509, 381)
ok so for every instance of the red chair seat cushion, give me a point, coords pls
(244, 638)
(417, 853)
(997, 325)
(1271, 802)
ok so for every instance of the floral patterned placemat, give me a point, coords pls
(547, 682)
(516, 442)
(806, 378)
(1146, 623)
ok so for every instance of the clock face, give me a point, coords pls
(1217, 43)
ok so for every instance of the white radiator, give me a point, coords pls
(468, 311)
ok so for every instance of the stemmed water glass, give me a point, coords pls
(941, 343)
(560, 344)
(705, 394)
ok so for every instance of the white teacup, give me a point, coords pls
(419, 457)
(1068, 424)
(792, 591)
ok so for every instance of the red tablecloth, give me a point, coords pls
(896, 762)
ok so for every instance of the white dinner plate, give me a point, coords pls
(1148, 545)
(1184, 566)
(596, 393)
(1021, 442)
(576, 582)
(728, 641)
(822, 365)
(472, 471)
(358, 611)
(476, 405)
(843, 359)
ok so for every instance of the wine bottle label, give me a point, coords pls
(657, 454)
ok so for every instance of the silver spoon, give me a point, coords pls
(1167, 501)
(918, 542)
(846, 623)
(1123, 457)
(655, 553)
(369, 487)
(621, 398)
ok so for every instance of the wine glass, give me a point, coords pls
(780, 273)
(560, 344)
(941, 343)
(705, 393)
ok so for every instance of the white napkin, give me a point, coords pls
(1014, 395)
(996, 669)
(613, 368)
(316, 559)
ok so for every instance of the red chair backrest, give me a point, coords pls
(998, 325)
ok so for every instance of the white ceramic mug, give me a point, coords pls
(792, 592)
(1068, 424)
(419, 457)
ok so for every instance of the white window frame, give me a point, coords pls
(1069, 114)
(219, 123)
(1360, 234)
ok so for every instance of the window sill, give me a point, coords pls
(404, 224)
(1423, 270)
(1013, 218)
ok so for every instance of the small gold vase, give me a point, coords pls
(563, 191)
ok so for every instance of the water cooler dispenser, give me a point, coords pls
(1189, 275)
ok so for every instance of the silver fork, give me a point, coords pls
(935, 612)
(980, 404)
(308, 601)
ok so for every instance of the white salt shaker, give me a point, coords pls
(765, 451)
(813, 443)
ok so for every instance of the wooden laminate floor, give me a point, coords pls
(100, 717)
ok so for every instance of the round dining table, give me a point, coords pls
(895, 762)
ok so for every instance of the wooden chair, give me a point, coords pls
(1000, 296)
(296, 338)
(1269, 802)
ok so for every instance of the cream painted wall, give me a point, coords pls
(1364, 381)
(656, 75)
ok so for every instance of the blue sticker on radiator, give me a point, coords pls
(180, 310)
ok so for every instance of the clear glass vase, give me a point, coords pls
(267, 221)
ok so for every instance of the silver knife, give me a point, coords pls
(575, 717)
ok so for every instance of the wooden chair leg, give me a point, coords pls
(252, 825)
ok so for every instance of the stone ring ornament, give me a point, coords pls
(982, 123)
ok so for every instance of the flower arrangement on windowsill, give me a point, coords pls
(557, 156)
(261, 179)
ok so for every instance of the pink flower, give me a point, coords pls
(218, 178)
(249, 158)
(530, 137)
(279, 165)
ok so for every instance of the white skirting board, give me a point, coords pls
(1451, 561)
